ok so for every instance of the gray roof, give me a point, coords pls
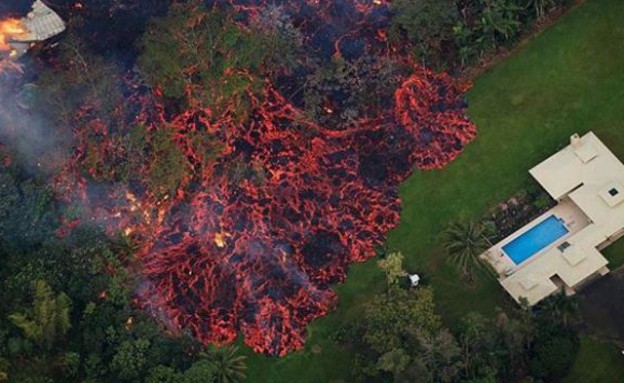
(42, 23)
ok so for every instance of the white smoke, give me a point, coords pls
(24, 127)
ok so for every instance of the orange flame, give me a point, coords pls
(10, 29)
(219, 239)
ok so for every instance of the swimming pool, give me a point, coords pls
(535, 239)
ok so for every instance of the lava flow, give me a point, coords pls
(258, 253)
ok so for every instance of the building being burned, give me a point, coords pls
(17, 35)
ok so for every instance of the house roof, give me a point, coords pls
(41, 23)
(589, 175)
(586, 161)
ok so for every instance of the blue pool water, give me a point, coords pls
(534, 240)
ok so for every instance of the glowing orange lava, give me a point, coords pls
(257, 253)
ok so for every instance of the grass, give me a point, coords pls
(596, 362)
(566, 80)
(615, 254)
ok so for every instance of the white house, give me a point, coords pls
(560, 250)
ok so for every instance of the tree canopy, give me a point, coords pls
(48, 319)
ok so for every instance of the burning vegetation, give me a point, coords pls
(17, 35)
(256, 155)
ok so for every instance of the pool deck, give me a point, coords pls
(573, 218)
(587, 180)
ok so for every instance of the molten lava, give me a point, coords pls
(258, 252)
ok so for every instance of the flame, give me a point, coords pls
(10, 29)
(219, 240)
(382, 35)
(135, 205)
(133, 201)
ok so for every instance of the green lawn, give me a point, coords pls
(597, 362)
(569, 79)
(615, 254)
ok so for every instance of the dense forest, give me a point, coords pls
(115, 135)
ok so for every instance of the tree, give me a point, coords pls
(230, 367)
(82, 77)
(409, 312)
(162, 374)
(27, 217)
(427, 23)
(553, 357)
(403, 336)
(473, 339)
(4, 369)
(560, 309)
(394, 361)
(403, 339)
(499, 20)
(216, 62)
(495, 349)
(392, 265)
(467, 47)
(464, 243)
(130, 360)
(168, 165)
(281, 40)
(94, 367)
(48, 319)
(71, 364)
(439, 352)
(202, 371)
(511, 345)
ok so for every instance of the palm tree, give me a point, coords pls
(464, 243)
(231, 367)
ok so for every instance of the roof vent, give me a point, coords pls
(563, 246)
(575, 140)
(584, 150)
